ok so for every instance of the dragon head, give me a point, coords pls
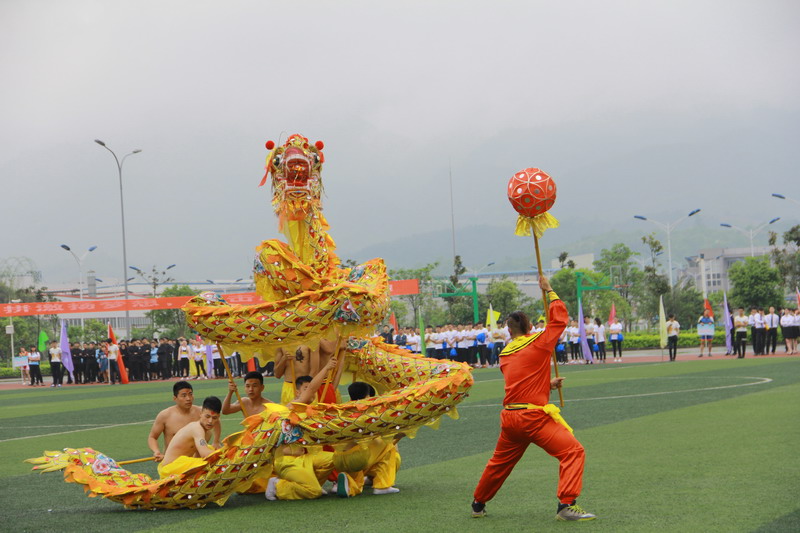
(296, 182)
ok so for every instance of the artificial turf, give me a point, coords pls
(685, 446)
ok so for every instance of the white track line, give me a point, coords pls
(760, 382)
(61, 426)
(77, 430)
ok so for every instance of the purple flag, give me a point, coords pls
(587, 351)
(728, 323)
(66, 354)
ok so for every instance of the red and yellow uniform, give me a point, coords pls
(527, 418)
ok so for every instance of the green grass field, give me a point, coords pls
(687, 446)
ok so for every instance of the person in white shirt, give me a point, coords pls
(600, 339)
(55, 364)
(463, 344)
(413, 342)
(451, 337)
(759, 336)
(771, 323)
(588, 326)
(482, 342)
(34, 358)
(184, 353)
(615, 335)
(499, 342)
(430, 342)
(673, 328)
(113, 362)
(787, 330)
(574, 342)
(740, 322)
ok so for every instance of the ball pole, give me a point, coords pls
(547, 312)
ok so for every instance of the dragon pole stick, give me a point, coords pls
(230, 378)
(327, 385)
(547, 313)
(142, 460)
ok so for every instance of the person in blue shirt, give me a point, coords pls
(705, 338)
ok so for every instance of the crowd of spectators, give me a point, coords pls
(143, 359)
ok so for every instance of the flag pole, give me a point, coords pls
(546, 311)
(230, 378)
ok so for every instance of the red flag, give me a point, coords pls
(251, 365)
(123, 372)
(707, 307)
(393, 322)
(613, 314)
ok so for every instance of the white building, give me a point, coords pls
(710, 266)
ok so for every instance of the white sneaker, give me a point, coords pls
(272, 489)
(390, 490)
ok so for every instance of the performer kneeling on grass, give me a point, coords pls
(189, 446)
(300, 474)
(528, 418)
(376, 459)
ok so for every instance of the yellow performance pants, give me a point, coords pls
(301, 477)
(179, 465)
(288, 392)
(382, 464)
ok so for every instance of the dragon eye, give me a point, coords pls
(277, 161)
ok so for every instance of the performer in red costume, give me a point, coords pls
(527, 417)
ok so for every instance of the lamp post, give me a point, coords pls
(79, 260)
(751, 232)
(122, 214)
(668, 228)
(156, 278)
(782, 197)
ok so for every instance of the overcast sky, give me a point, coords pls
(633, 107)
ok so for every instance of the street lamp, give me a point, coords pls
(79, 260)
(751, 232)
(122, 214)
(156, 278)
(782, 197)
(668, 228)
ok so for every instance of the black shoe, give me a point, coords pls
(478, 509)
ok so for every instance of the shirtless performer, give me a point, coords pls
(253, 403)
(300, 474)
(290, 366)
(189, 445)
(172, 419)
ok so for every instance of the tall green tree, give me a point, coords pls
(618, 264)
(424, 298)
(505, 297)
(171, 322)
(92, 331)
(755, 283)
(787, 257)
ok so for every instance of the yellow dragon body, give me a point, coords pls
(307, 296)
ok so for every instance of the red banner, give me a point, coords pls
(397, 288)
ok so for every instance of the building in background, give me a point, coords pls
(716, 262)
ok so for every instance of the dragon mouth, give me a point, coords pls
(297, 170)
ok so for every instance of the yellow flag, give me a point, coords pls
(662, 322)
(491, 318)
